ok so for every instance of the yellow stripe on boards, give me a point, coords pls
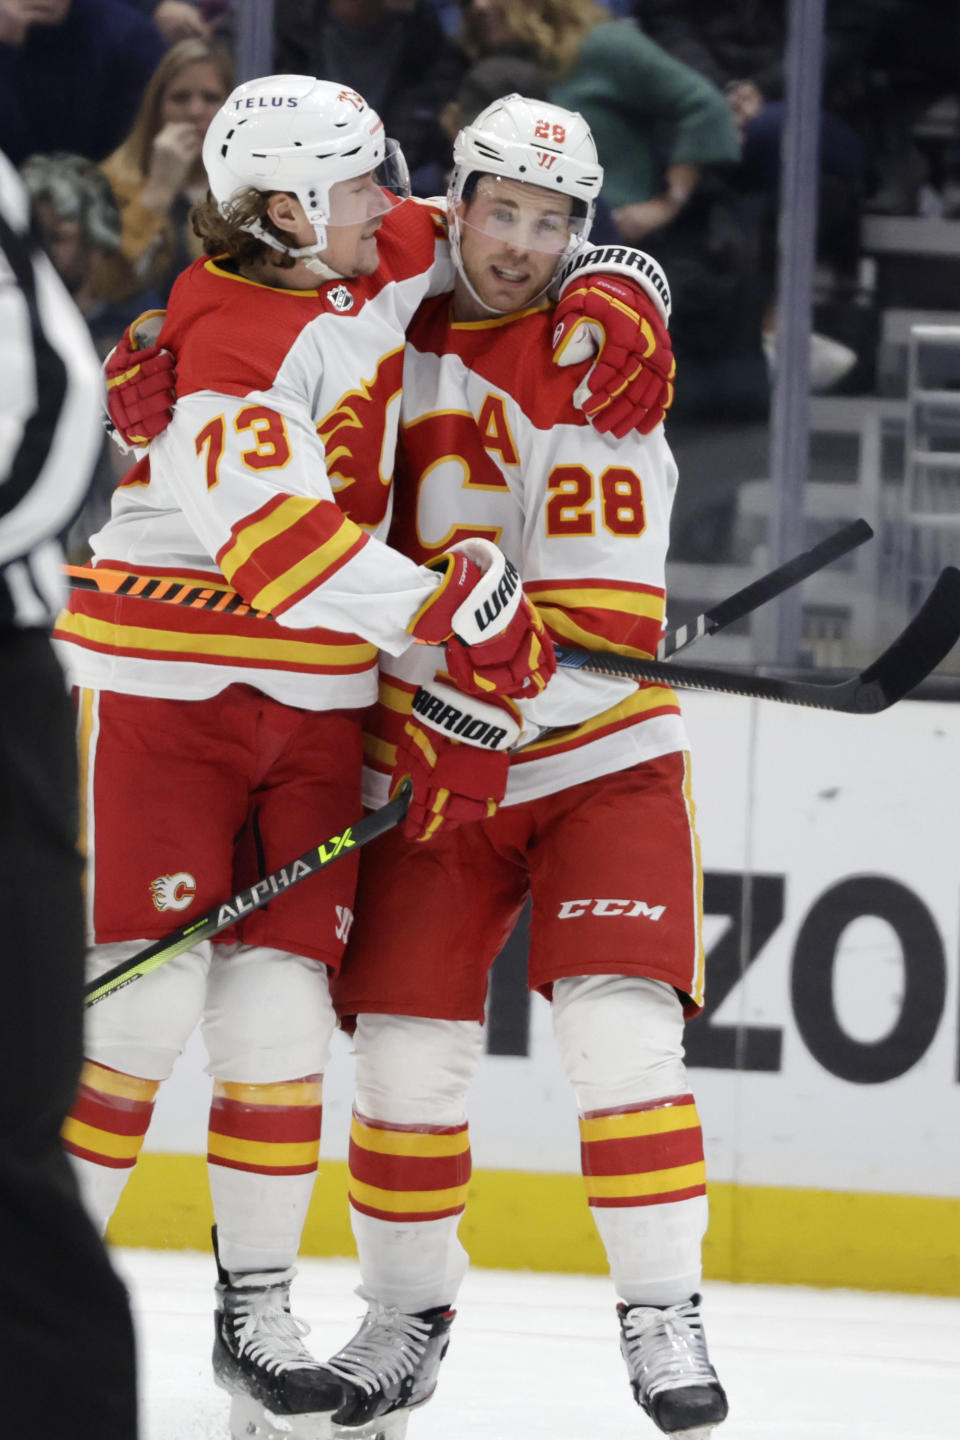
(518, 1220)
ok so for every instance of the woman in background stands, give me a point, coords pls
(157, 174)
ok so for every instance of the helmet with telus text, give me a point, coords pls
(298, 134)
(534, 143)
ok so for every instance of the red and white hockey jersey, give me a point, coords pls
(275, 475)
(492, 445)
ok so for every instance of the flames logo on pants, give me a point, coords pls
(360, 440)
(173, 892)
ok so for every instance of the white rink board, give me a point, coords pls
(836, 813)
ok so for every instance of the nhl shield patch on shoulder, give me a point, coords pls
(340, 298)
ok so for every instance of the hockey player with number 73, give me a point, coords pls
(198, 728)
(594, 820)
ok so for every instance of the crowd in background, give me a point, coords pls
(685, 99)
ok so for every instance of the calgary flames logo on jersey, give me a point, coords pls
(448, 485)
(173, 892)
(360, 438)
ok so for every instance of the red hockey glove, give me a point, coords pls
(453, 748)
(631, 385)
(496, 641)
(140, 382)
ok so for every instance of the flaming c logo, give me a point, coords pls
(173, 892)
(359, 437)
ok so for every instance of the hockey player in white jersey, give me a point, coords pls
(211, 745)
(595, 817)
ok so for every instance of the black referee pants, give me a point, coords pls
(66, 1339)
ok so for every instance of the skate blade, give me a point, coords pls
(249, 1420)
(385, 1427)
(699, 1432)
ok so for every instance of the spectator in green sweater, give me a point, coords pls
(655, 120)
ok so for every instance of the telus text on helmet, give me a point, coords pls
(267, 102)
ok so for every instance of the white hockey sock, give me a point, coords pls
(654, 1250)
(100, 1188)
(410, 1156)
(412, 1266)
(263, 1144)
(621, 1042)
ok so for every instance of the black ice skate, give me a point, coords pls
(280, 1392)
(388, 1369)
(670, 1371)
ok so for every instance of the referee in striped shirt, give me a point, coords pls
(66, 1340)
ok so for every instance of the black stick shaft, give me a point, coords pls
(927, 640)
(766, 587)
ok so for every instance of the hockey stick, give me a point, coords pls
(918, 650)
(276, 883)
(767, 587)
(193, 595)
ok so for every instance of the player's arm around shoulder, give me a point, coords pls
(614, 306)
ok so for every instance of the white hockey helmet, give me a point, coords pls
(534, 143)
(299, 134)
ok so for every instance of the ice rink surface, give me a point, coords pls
(535, 1357)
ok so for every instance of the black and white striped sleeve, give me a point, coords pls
(50, 428)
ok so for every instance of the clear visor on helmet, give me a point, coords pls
(364, 197)
(523, 216)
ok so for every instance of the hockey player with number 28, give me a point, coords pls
(595, 819)
(275, 474)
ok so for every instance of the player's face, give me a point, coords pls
(511, 238)
(357, 208)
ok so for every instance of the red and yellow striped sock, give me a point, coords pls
(109, 1117)
(104, 1132)
(266, 1129)
(408, 1172)
(262, 1149)
(649, 1154)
